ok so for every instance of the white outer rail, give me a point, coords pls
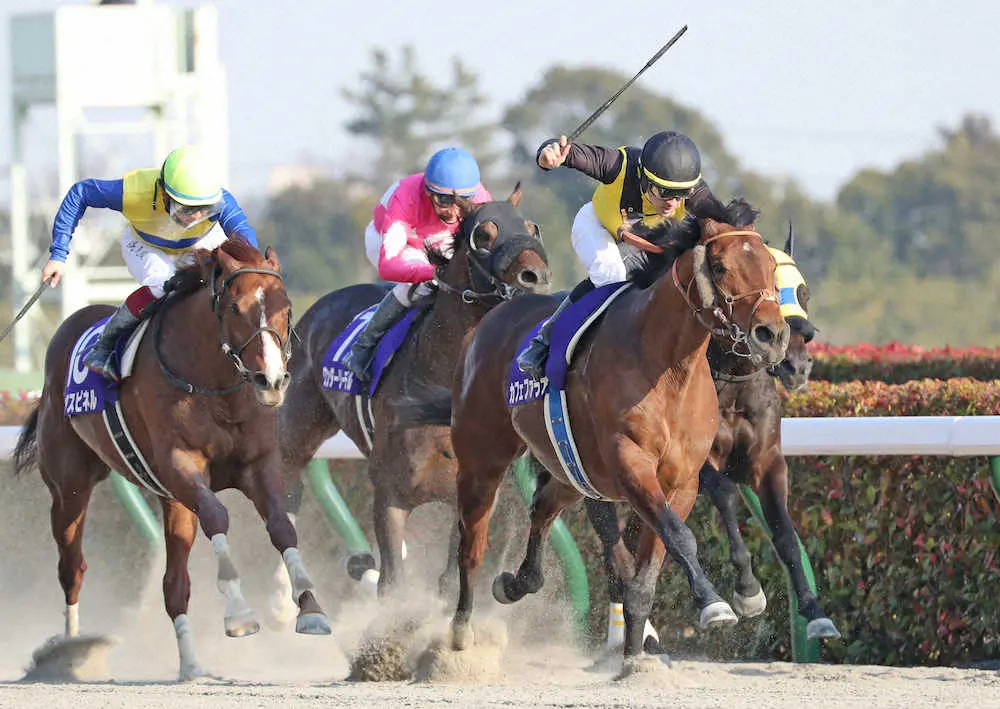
(881, 435)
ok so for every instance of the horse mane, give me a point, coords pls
(196, 266)
(675, 239)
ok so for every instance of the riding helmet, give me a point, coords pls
(671, 160)
(452, 171)
(191, 177)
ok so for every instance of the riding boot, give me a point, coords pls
(532, 360)
(99, 357)
(389, 312)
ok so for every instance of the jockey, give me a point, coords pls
(640, 188)
(170, 210)
(418, 212)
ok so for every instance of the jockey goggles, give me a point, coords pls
(189, 215)
(447, 200)
(665, 193)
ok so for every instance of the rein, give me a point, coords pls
(726, 326)
(234, 354)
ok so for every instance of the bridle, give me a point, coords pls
(235, 354)
(725, 324)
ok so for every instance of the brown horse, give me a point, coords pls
(497, 256)
(225, 324)
(642, 404)
(747, 450)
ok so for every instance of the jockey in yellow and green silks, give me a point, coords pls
(170, 210)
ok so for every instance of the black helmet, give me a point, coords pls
(671, 161)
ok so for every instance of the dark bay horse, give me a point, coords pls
(641, 401)
(497, 255)
(225, 325)
(747, 450)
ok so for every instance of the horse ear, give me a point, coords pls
(515, 196)
(790, 241)
(272, 257)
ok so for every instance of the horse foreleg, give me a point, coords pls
(748, 599)
(666, 516)
(267, 496)
(639, 592)
(239, 620)
(449, 577)
(773, 494)
(180, 526)
(390, 527)
(549, 500)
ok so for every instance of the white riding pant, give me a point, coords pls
(151, 266)
(373, 249)
(596, 248)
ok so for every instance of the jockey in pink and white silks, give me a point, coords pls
(418, 212)
(170, 210)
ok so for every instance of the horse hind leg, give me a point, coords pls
(549, 500)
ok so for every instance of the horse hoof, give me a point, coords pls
(717, 615)
(358, 564)
(240, 626)
(749, 606)
(500, 584)
(821, 628)
(652, 646)
(191, 673)
(312, 624)
(462, 637)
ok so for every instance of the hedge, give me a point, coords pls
(896, 363)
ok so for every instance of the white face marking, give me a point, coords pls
(746, 246)
(274, 368)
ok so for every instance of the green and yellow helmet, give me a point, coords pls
(190, 177)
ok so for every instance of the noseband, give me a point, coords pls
(234, 354)
(725, 324)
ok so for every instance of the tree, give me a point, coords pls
(408, 115)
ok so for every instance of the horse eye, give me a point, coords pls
(235, 308)
(718, 270)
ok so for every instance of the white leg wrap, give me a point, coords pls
(185, 641)
(72, 620)
(296, 572)
(228, 582)
(616, 626)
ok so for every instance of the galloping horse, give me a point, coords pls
(497, 255)
(643, 408)
(225, 324)
(746, 449)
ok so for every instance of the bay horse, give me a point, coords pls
(746, 450)
(497, 255)
(224, 324)
(642, 404)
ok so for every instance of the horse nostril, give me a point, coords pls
(259, 380)
(285, 381)
(763, 334)
(527, 278)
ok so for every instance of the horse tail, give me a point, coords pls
(431, 408)
(26, 450)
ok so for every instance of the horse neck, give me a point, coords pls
(190, 345)
(446, 326)
(671, 335)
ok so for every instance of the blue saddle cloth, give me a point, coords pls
(568, 328)
(336, 375)
(86, 390)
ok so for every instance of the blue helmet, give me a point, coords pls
(452, 171)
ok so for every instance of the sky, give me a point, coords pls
(812, 90)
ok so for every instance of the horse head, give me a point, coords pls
(254, 316)
(498, 254)
(793, 291)
(735, 280)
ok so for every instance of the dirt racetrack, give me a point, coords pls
(527, 655)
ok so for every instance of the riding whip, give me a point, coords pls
(607, 104)
(31, 301)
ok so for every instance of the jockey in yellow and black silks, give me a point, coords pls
(638, 186)
(170, 210)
